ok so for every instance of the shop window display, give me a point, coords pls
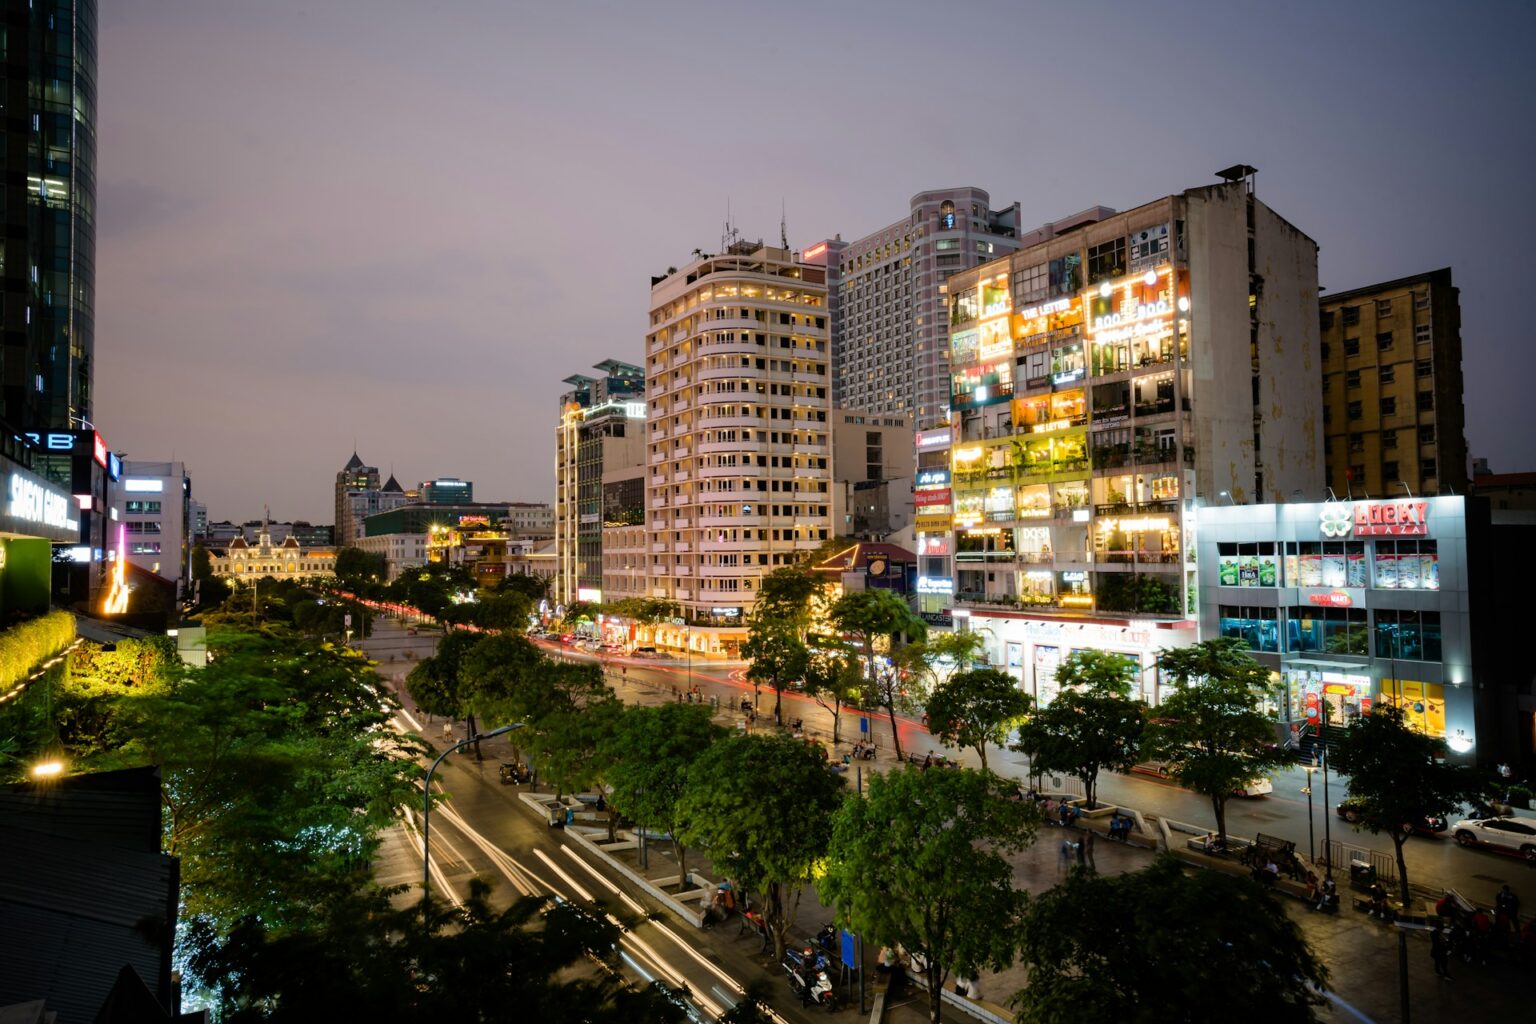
(1257, 628)
(1423, 704)
(1325, 564)
(1247, 565)
(1408, 635)
(1326, 630)
(1407, 565)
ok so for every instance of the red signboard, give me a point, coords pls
(1314, 713)
(1337, 599)
(99, 450)
(938, 497)
(1391, 518)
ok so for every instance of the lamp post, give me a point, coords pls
(426, 802)
(1311, 821)
(1327, 805)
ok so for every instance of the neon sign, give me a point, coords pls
(1337, 599)
(1375, 519)
(814, 251)
(31, 502)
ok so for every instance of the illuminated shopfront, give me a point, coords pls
(1354, 604)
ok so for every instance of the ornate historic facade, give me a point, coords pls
(285, 561)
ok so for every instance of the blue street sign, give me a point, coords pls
(864, 725)
(848, 954)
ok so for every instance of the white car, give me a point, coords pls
(1261, 786)
(1512, 835)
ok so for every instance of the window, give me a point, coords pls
(946, 216)
(1326, 630)
(142, 508)
(1421, 334)
(1426, 401)
(1388, 374)
(1354, 410)
(1106, 260)
(1407, 635)
(1356, 472)
(1352, 379)
(1407, 565)
(1383, 307)
(1325, 351)
(1327, 318)
(1427, 434)
(1258, 628)
(1389, 439)
(1389, 472)
(1351, 315)
(1384, 341)
(1422, 368)
(1426, 469)
(151, 547)
(1351, 346)
(1357, 442)
(1326, 563)
(1389, 406)
(1421, 300)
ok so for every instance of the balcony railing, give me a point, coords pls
(1118, 508)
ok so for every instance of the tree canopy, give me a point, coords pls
(762, 806)
(1091, 726)
(775, 654)
(880, 625)
(976, 707)
(1159, 945)
(1210, 729)
(919, 862)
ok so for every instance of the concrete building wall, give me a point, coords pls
(152, 501)
(401, 551)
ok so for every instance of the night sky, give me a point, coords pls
(404, 223)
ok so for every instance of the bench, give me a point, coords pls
(936, 761)
(1282, 851)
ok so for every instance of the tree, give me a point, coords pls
(578, 612)
(833, 680)
(277, 774)
(977, 707)
(1398, 777)
(776, 654)
(762, 807)
(944, 654)
(354, 566)
(534, 588)
(441, 685)
(1091, 726)
(649, 756)
(880, 624)
(1156, 945)
(506, 610)
(368, 960)
(920, 862)
(1211, 730)
(789, 593)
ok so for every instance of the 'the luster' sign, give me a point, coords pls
(1375, 519)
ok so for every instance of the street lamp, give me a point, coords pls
(1327, 804)
(426, 803)
(1311, 829)
(48, 769)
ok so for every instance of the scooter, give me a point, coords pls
(808, 978)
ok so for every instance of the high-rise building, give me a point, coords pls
(890, 335)
(48, 53)
(354, 478)
(1393, 413)
(872, 486)
(1104, 382)
(739, 389)
(153, 503)
(601, 430)
(446, 491)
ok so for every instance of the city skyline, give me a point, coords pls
(372, 249)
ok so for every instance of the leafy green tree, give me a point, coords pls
(1159, 945)
(366, 959)
(944, 654)
(977, 707)
(1211, 729)
(354, 565)
(776, 655)
(880, 624)
(534, 588)
(277, 774)
(1398, 776)
(649, 755)
(920, 862)
(762, 807)
(1091, 726)
(578, 612)
(790, 594)
(509, 610)
(834, 680)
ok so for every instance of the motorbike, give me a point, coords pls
(808, 978)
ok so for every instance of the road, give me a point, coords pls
(1432, 860)
(484, 830)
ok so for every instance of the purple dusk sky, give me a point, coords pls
(405, 222)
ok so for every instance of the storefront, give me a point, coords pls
(1032, 648)
(35, 514)
(1353, 604)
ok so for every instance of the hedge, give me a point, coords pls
(24, 647)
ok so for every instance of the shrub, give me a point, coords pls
(24, 647)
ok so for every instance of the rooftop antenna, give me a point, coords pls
(783, 227)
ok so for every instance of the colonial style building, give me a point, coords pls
(285, 561)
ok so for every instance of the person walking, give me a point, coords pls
(1088, 845)
(1082, 852)
(1066, 855)
(1440, 953)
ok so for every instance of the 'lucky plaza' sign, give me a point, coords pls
(1375, 519)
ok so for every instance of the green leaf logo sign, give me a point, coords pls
(1337, 520)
